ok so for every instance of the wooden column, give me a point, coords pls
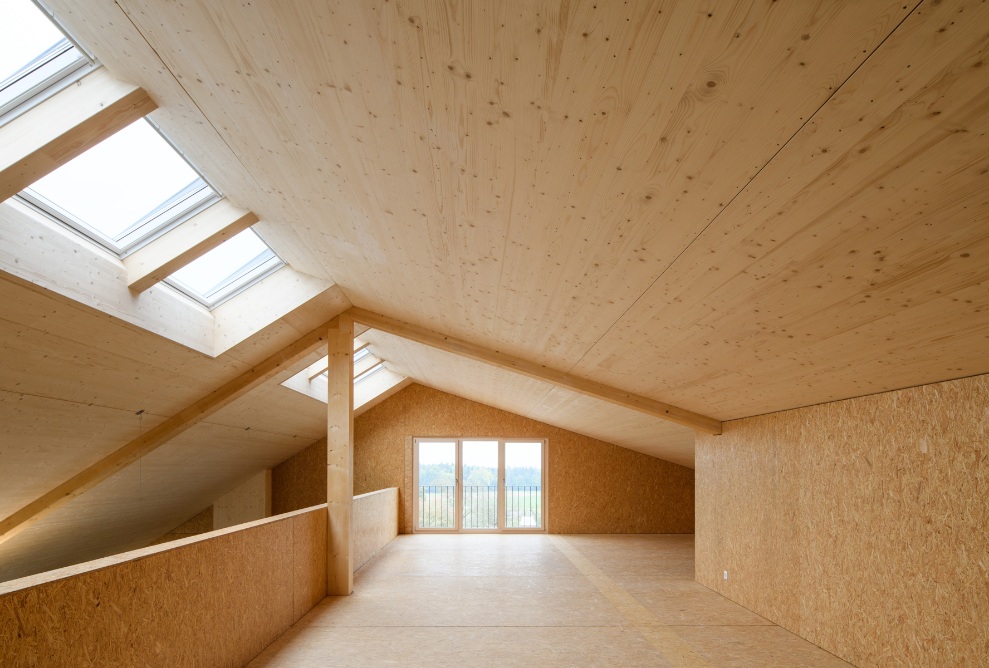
(340, 457)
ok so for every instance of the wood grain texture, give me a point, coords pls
(178, 247)
(65, 126)
(599, 487)
(340, 456)
(537, 372)
(697, 166)
(536, 399)
(215, 600)
(850, 264)
(375, 523)
(859, 525)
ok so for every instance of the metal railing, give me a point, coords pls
(437, 507)
(523, 507)
(480, 507)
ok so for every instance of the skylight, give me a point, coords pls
(229, 268)
(124, 190)
(35, 56)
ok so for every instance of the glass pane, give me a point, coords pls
(118, 182)
(437, 481)
(216, 273)
(480, 488)
(523, 485)
(25, 34)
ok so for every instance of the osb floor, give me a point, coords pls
(536, 600)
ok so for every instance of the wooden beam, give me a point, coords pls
(178, 247)
(65, 125)
(559, 378)
(340, 457)
(166, 431)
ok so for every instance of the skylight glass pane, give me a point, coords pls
(229, 267)
(25, 35)
(119, 183)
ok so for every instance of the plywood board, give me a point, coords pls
(535, 399)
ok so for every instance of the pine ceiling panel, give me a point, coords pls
(515, 174)
(534, 399)
(854, 263)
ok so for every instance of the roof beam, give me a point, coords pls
(64, 126)
(166, 431)
(181, 245)
(559, 378)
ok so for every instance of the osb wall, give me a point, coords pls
(212, 600)
(861, 525)
(594, 487)
(300, 481)
(375, 523)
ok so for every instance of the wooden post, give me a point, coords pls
(340, 457)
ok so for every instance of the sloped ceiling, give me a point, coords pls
(731, 207)
(534, 399)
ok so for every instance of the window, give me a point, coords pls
(479, 484)
(229, 268)
(36, 58)
(370, 372)
(124, 191)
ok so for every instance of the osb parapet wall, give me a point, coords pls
(861, 525)
(375, 523)
(594, 487)
(211, 600)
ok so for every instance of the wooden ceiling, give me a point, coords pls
(735, 208)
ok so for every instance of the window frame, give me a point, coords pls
(458, 442)
(180, 207)
(51, 71)
(248, 275)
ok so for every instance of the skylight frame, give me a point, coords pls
(370, 372)
(64, 63)
(180, 207)
(241, 279)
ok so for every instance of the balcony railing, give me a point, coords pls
(437, 507)
(523, 507)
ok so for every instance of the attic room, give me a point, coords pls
(439, 332)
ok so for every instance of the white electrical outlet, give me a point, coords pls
(726, 576)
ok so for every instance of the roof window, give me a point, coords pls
(124, 191)
(36, 58)
(231, 267)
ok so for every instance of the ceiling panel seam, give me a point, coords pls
(748, 183)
